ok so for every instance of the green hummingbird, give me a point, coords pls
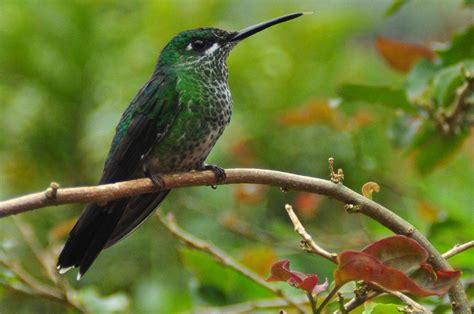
(170, 126)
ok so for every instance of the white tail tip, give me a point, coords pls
(63, 270)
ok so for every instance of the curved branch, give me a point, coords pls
(104, 193)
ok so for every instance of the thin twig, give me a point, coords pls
(309, 243)
(340, 300)
(312, 301)
(36, 288)
(360, 299)
(221, 257)
(327, 299)
(458, 248)
(381, 214)
(373, 290)
(45, 260)
(415, 307)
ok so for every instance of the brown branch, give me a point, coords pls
(222, 258)
(288, 181)
(458, 248)
(308, 241)
(360, 299)
(412, 304)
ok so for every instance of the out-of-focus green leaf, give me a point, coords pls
(431, 147)
(446, 82)
(7, 277)
(218, 285)
(419, 77)
(468, 2)
(395, 7)
(380, 308)
(442, 236)
(394, 98)
(423, 135)
(462, 47)
(96, 303)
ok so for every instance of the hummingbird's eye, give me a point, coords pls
(198, 45)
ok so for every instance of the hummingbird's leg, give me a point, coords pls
(155, 178)
(218, 172)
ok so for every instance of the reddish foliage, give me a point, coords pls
(396, 263)
(250, 193)
(314, 112)
(281, 272)
(307, 204)
(242, 150)
(400, 55)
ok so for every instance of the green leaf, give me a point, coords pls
(96, 303)
(432, 148)
(462, 47)
(419, 77)
(379, 308)
(468, 2)
(394, 98)
(216, 283)
(446, 82)
(395, 7)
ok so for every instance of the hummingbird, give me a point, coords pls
(170, 126)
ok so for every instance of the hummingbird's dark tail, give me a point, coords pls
(100, 227)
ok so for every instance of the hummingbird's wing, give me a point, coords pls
(142, 126)
(144, 123)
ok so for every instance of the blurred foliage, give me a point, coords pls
(303, 92)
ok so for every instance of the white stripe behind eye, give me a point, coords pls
(189, 47)
(211, 49)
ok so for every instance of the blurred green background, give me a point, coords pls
(69, 68)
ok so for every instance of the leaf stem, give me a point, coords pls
(327, 299)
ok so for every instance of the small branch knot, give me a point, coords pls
(351, 208)
(52, 191)
(335, 177)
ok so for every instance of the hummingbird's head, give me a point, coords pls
(197, 46)
(209, 46)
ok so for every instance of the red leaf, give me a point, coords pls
(397, 263)
(308, 283)
(307, 204)
(360, 266)
(281, 272)
(400, 252)
(400, 55)
(311, 113)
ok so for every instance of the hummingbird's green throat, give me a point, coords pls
(170, 126)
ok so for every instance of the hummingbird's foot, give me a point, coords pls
(156, 179)
(218, 172)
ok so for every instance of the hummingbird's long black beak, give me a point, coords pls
(249, 31)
